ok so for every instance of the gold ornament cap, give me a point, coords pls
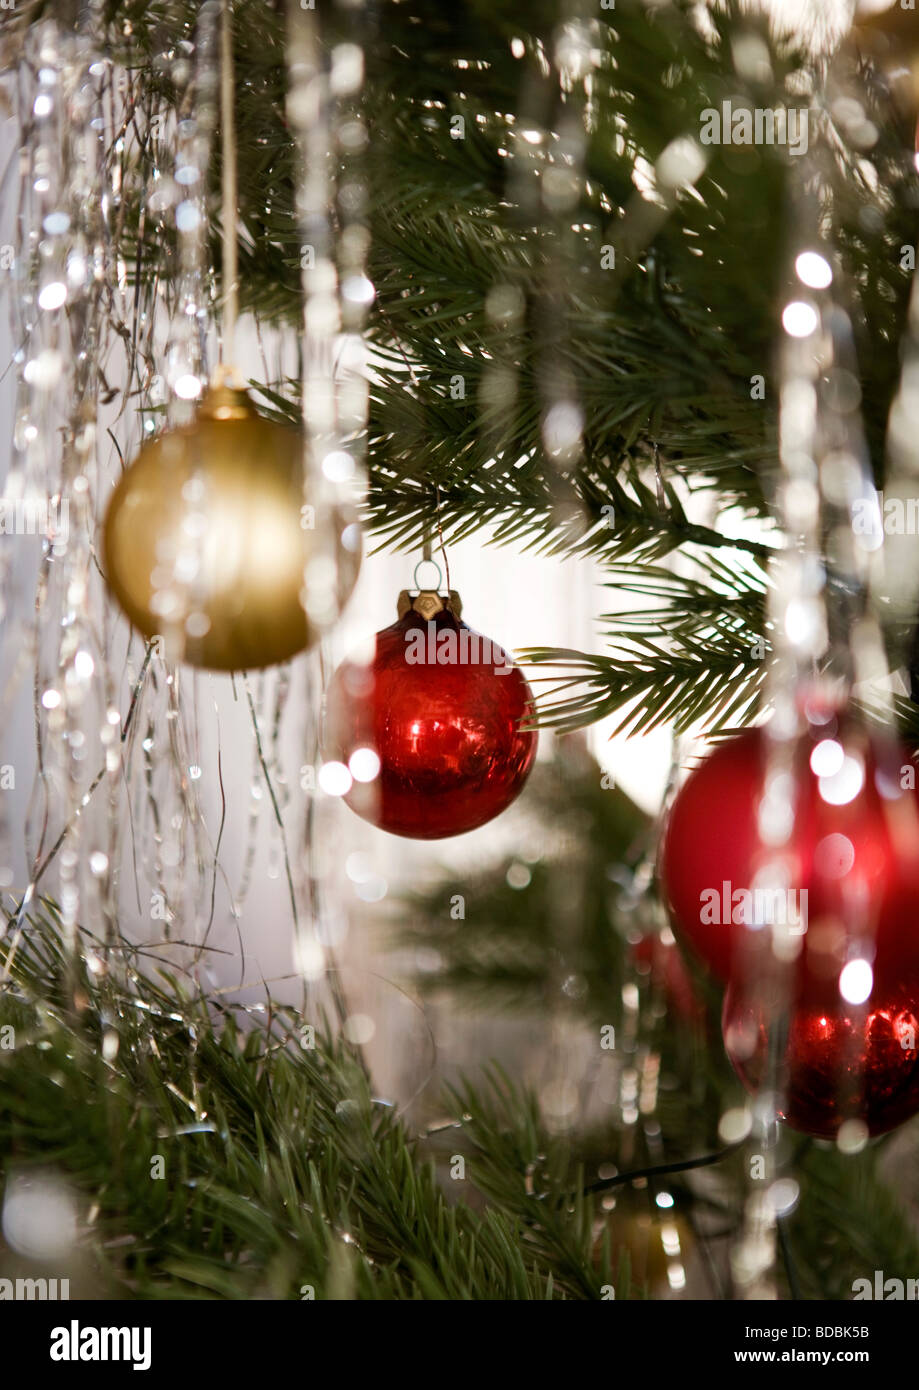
(223, 402)
(427, 602)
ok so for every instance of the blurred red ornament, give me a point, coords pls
(441, 707)
(842, 1062)
(667, 969)
(710, 838)
(854, 852)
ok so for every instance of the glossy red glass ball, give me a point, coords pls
(840, 1062)
(442, 708)
(857, 862)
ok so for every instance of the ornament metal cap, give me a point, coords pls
(427, 602)
(223, 402)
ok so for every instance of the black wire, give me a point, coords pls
(684, 1165)
(787, 1260)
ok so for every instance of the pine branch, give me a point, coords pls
(716, 678)
(661, 352)
(279, 1171)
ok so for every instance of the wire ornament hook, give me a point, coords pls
(428, 560)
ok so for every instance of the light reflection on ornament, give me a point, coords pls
(855, 981)
(843, 786)
(834, 856)
(827, 758)
(364, 764)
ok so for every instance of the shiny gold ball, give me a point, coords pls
(210, 542)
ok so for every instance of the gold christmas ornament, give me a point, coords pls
(211, 542)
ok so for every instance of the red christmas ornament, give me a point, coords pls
(441, 707)
(853, 863)
(843, 1061)
(667, 968)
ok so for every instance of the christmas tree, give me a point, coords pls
(618, 290)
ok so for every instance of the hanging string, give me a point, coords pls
(229, 192)
(187, 353)
(427, 544)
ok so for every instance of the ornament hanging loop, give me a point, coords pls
(428, 560)
(427, 599)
